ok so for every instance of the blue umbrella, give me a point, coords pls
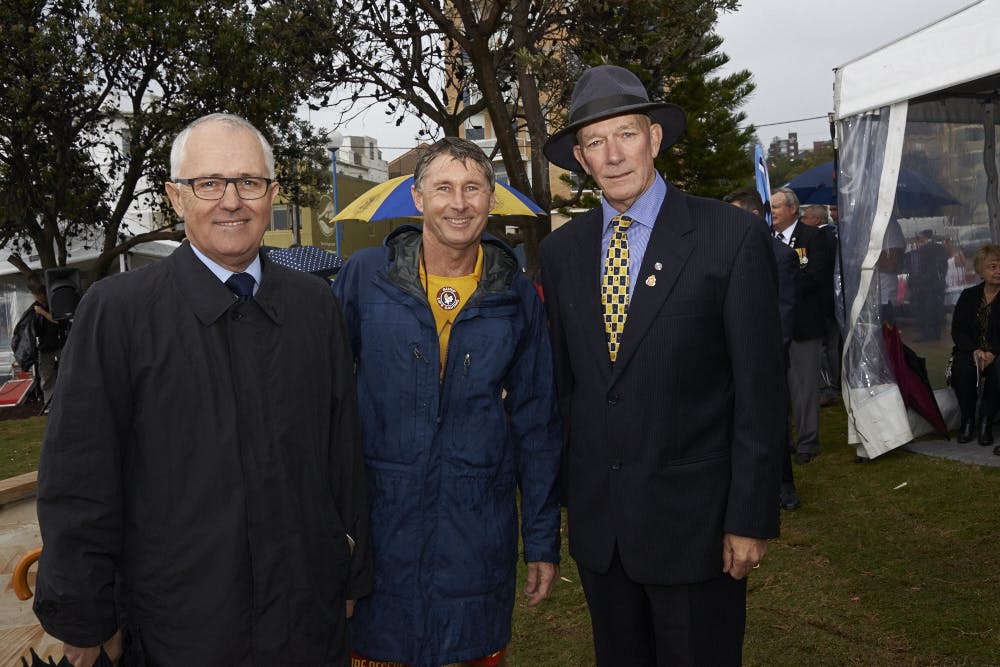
(916, 194)
(307, 258)
(816, 186)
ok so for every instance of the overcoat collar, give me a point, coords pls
(209, 297)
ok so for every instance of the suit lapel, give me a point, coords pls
(586, 262)
(670, 246)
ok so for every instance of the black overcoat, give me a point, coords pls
(207, 455)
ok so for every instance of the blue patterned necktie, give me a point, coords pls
(614, 287)
(242, 286)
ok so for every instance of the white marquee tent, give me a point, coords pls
(926, 102)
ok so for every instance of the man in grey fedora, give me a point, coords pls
(664, 317)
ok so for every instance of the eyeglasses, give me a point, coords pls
(214, 187)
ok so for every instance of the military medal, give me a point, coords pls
(651, 281)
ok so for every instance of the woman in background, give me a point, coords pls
(975, 330)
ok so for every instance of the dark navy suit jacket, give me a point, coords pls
(680, 441)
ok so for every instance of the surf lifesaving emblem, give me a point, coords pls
(447, 298)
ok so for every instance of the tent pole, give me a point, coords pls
(990, 164)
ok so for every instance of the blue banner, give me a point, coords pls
(763, 182)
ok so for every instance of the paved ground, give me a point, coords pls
(19, 629)
(970, 452)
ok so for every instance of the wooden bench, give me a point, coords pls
(18, 488)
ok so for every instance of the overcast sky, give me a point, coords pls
(790, 46)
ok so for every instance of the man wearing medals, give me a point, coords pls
(813, 309)
(458, 411)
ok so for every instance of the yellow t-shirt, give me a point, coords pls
(447, 296)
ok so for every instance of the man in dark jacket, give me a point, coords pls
(201, 483)
(668, 357)
(813, 311)
(787, 262)
(458, 412)
(50, 336)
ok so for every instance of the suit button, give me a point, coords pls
(613, 400)
(236, 315)
(616, 465)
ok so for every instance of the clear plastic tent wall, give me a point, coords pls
(949, 142)
(918, 110)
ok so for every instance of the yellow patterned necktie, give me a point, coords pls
(614, 287)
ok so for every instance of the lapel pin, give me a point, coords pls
(658, 266)
(651, 281)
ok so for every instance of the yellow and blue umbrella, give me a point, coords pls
(392, 199)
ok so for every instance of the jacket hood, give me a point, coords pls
(500, 265)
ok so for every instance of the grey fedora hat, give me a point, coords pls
(605, 91)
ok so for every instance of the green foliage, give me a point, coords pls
(93, 91)
(670, 46)
(711, 159)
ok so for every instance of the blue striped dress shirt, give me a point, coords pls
(643, 213)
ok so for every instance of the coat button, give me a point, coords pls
(236, 315)
(613, 400)
(616, 465)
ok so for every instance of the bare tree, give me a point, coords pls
(446, 61)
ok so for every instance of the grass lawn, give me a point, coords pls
(864, 573)
(20, 443)
(891, 562)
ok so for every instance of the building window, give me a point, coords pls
(280, 219)
(475, 133)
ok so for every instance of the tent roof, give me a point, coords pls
(957, 55)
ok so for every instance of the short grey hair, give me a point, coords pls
(790, 197)
(458, 149)
(819, 211)
(177, 150)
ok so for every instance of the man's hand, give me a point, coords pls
(984, 358)
(350, 607)
(741, 554)
(86, 657)
(541, 579)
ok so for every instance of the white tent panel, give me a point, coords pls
(928, 102)
(917, 65)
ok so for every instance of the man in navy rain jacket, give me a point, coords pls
(458, 411)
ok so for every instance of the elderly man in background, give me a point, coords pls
(813, 311)
(816, 215)
(201, 483)
(787, 263)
